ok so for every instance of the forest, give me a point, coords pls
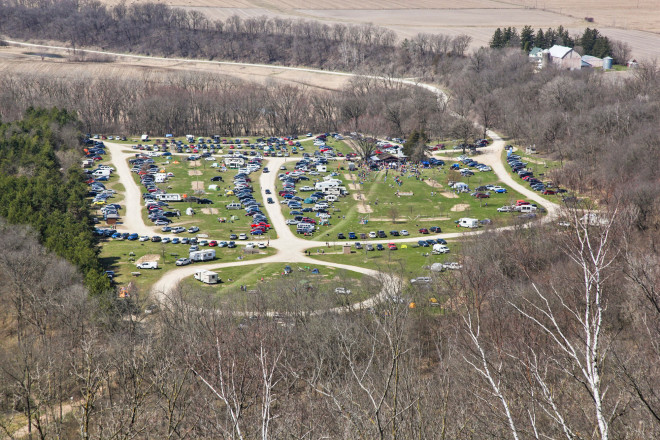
(41, 185)
(156, 29)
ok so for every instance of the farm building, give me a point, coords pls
(563, 57)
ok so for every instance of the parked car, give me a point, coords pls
(392, 246)
(380, 247)
(182, 262)
(423, 231)
(193, 229)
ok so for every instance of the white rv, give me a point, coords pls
(206, 276)
(169, 197)
(144, 137)
(468, 222)
(202, 255)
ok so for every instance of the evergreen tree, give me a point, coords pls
(601, 48)
(588, 40)
(527, 38)
(551, 38)
(497, 42)
(539, 39)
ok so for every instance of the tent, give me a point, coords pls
(315, 271)
(437, 267)
(190, 211)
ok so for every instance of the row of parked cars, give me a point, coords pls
(243, 191)
(314, 201)
(520, 168)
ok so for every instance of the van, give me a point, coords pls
(233, 206)
(101, 173)
(526, 208)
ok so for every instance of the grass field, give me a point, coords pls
(409, 260)
(121, 257)
(269, 282)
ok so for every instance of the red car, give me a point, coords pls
(549, 192)
(308, 220)
(482, 195)
(260, 225)
(423, 231)
(213, 243)
(392, 246)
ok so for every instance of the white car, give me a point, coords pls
(144, 238)
(291, 221)
(404, 232)
(242, 237)
(452, 266)
(505, 208)
(182, 262)
(372, 234)
(262, 245)
(342, 291)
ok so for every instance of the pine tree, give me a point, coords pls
(527, 38)
(497, 42)
(539, 39)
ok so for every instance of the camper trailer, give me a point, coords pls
(190, 138)
(322, 168)
(206, 276)
(144, 137)
(468, 222)
(169, 197)
(160, 177)
(202, 255)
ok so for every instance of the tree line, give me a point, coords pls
(157, 29)
(192, 102)
(41, 185)
(590, 42)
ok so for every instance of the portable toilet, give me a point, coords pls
(607, 63)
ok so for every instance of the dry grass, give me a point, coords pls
(459, 207)
(147, 258)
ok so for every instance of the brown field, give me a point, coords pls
(634, 21)
(15, 60)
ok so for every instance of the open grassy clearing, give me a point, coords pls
(121, 256)
(271, 281)
(408, 260)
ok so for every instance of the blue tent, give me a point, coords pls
(315, 271)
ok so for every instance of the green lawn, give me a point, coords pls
(271, 282)
(120, 256)
(408, 261)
